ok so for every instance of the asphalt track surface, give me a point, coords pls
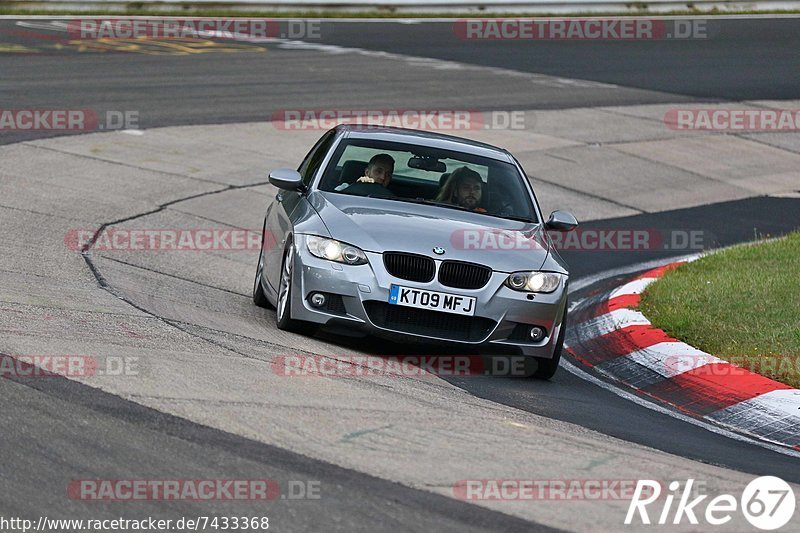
(754, 60)
(569, 398)
(116, 433)
(740, 60)
(737, 60)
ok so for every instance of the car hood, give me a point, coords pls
(378, 225)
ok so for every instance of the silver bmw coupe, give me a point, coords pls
(411, 235)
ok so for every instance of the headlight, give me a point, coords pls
(333, 250)
(534, 281)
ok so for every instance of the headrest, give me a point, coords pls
(352, 170)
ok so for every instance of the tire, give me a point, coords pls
(259, 298)
(283, 309)
(547, 367)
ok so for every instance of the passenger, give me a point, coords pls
(376, 178)
(464, 188)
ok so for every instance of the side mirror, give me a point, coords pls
(286, 178)
(561, 221)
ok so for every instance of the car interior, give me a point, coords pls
(497, 198)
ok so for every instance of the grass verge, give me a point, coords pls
(741, 305)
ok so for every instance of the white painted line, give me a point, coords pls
(636, 286)
(441, 64)
(572, 369)
(591, 280)
(427, 62)
(55, 26)
(575, 304)
(414, 61)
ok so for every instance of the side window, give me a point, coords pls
(312, 161)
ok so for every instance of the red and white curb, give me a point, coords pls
(613, 337)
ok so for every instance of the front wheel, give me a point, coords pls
(547, 367)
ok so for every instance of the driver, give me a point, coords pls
(376, 178)
(464, 188)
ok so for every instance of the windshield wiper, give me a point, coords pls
(431, 202)
(518, 219)
(461, 208)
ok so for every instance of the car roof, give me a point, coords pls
(424, 138)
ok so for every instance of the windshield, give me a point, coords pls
(421, 174)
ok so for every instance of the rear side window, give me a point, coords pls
(314, 158)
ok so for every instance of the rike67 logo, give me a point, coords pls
(767, 503)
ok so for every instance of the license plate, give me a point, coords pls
(436, 301)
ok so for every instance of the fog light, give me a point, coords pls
(317, 299)
(537, 333)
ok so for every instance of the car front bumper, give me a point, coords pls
(357, 303)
